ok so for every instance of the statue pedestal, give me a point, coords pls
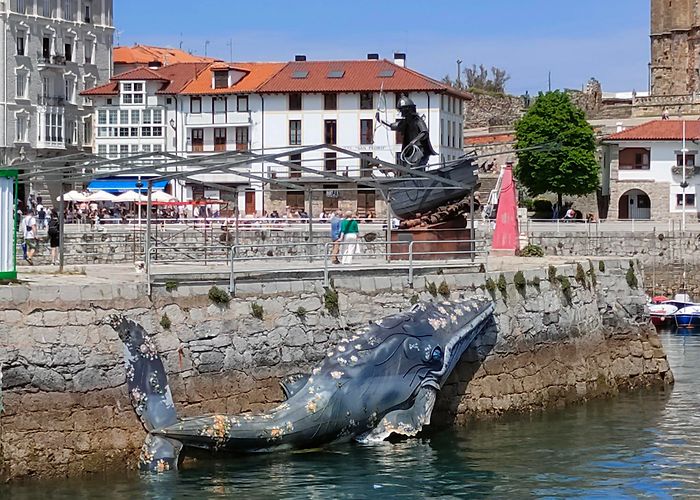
(446, 240)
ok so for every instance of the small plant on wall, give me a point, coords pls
(257, 311)
(431, 288)
(165, 322)
(502, 286)
(219, 296)
(632, 276)
(444, 289)
(330, 301)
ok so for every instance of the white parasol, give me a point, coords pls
(130, 196)
(102, 196)
(161, 196)
(73, 196)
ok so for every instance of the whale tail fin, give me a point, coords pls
(149, 393)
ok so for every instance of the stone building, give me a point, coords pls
(675, 50)
(643, 171)
(52, 50)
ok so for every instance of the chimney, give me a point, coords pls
(299, 58)
(373, 57)
(400, 59)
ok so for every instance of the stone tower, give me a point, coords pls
(675, 46)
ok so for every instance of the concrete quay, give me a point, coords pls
(566, 330)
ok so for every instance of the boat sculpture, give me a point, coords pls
(382, 380)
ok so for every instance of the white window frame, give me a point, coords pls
(22, 72)
(129, 94)
(89, 49)
(22, 127)
(22, 35)
(70, 87)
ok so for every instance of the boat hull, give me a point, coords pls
(411, 195)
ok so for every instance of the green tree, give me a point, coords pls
(570, 166)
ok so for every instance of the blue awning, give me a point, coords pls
(121, 184)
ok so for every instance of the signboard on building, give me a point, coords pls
(8, 212)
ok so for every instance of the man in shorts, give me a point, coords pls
(30, 235)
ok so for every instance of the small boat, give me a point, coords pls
(687, 317)
(410, 195)
(662, 314)
(680, 300)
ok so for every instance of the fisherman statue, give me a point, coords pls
(416, 149)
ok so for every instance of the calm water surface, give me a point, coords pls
(645, 444)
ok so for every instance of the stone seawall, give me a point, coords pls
(665, 255)
(562, 334)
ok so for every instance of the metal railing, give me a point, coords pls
(606, 225)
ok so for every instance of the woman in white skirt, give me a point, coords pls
(348, 231)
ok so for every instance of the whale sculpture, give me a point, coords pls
(381, 380)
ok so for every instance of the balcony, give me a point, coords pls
(45, 100)
(198, 148)
(232, 119)
(46, 59)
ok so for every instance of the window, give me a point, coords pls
(89, 83)
(124, 116)
(123, 131)
(157, 131)
(366, 201)
(134, 149)
(330, 102)
(219, 139)
(197, 139)
(112, 116)
(366, 165)
(132, 93)
(295, 132)
(330, 162)
(295, 200)
(102, 150)
(46, 48)
(21, 131)
(146, 131)
(46, 11)
(89, 48)
(69, 10)
(134, 131)
(123, 150)
(87, 17)
(330, 132)
(689, 200)
(157, 116)
(20, 43)
(221, 79)
(330, 197)
(195, 104)
(102, 117)
(87, 130)
(72, 133)
(241, 138)
(689, 160)
(135, 116)
(146, 116)
(21, 89)
(294, 102)
(113, 150)
(68, 51)
(146, 148)
(366, 100)
(21, 7)
(242, 103)
(157, 148)
(295, 172)
(366, 131)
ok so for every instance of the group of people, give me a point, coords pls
(344, 233)
(30, 235)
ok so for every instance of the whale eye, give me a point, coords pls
(436, 356)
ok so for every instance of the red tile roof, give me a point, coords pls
(357, 76)
(256, 75)
(144, 54)
(659, 130)
(111, 88)
(139, 74)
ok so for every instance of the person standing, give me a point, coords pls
(54, 236)
(41, 216)
(336, 222)
(30, 235)
(349, 230)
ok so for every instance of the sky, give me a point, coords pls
(574, 40)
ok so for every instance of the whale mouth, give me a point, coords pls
(458, 344)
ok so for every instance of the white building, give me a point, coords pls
(205, 109)
(51, 51)
(643, 173)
